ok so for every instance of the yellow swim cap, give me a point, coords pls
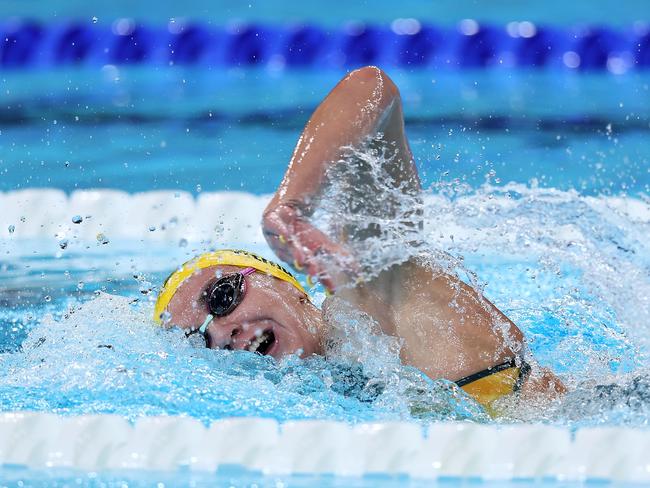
(225, 257)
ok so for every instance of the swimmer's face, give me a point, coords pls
(274, 317)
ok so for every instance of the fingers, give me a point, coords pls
(297, 241)
(277, 227)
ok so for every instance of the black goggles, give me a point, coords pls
(227, 293)
(222, 298)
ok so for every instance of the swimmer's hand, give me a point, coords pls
(295, 240)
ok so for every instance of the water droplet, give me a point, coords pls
(182, 243)
(94, 19)
(80, 285)
(67, 163)
(63, 243)
(152, 228)
(12, 229)
(198, 188)
(102, 239)
(77, 219)
(165, 317)
(48, 298)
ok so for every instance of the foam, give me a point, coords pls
(440, 450)
(155, 216)
(457, 450)
(167, 216)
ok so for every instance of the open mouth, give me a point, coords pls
(263, 343)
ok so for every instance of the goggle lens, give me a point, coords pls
(226, 294)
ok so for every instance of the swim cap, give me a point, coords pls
(225, 257)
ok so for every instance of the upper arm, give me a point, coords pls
(359, 104)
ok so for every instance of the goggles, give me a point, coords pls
(223, 297)
(233, 288)
(227, 292)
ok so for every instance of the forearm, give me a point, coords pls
(357, 107)
(363, 109)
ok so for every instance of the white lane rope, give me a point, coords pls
(168, 216)
(442, 450)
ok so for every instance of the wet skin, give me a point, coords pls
(448, 330)
(269, 305)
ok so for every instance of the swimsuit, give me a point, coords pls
(496, 382)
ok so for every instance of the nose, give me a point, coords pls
(220, 336)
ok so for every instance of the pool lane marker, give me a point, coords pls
(439, 451)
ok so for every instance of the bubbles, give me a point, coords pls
(117, 361)
(101, 239)
(11, 228)
(565, 268)
(77, 219)
(383, 230)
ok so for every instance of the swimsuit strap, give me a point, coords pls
(495, 382)
(523, 366)
(510, 363)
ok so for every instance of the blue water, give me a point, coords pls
(208, 131)
(476, 136)
(233, 477)
(384, 11)
(560, 138)
(88, 311)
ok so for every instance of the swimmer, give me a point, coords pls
(238, 300)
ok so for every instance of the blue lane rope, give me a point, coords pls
(26, 44)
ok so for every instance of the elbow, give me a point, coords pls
(375, 79)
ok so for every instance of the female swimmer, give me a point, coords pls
(238, 300)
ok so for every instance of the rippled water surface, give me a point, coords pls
(564, 267)
(536, 185)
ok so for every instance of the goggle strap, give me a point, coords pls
(206, 323)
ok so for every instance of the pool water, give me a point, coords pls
(539, 181)
(546, 258)
(197, 130)
(237, 478)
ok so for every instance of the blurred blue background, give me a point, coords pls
(560, 12)
(487, 103)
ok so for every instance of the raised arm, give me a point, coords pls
(363, 104)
